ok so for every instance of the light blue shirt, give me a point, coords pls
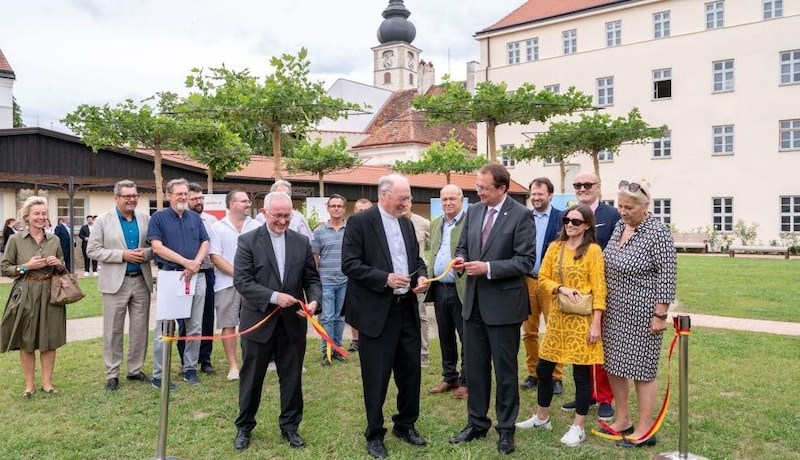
(445, 255)
(540, 220)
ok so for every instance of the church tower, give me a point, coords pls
(6, 93)
(396, 61)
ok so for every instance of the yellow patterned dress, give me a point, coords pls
(565, 340)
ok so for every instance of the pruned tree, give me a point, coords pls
(260, 111)
(445, 158)
(315, 158)
(214, 145)
(493, 104)
(542, 147)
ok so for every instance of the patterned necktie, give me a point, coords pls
(488, 227)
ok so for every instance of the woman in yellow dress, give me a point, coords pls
(573, 266)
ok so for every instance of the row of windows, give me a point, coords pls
(715, 18)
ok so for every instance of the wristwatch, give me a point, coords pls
(21, 269)
(662, 316)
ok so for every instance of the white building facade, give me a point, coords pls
(724, 76)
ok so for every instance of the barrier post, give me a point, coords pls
(167, 330)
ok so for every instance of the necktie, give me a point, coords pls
(488, 227)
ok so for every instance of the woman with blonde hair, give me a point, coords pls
(30, 322)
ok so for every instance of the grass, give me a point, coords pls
(91, 305)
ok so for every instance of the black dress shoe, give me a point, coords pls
(207, 369)
(505, 445)
(294, 438)
(376, 449)
(410, 436)
(112, 384)
(558, 387)
(139, 377)
(529, 383)
(469, 433)
(625, 443)
(242, 440)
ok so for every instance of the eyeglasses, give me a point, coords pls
(128, 197)
(241, 201)
(574, 222)
(632, 187)
(584, 185)
(281, 216)
(336, 206)
(481, 188)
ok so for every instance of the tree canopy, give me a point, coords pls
(17, 115)
(443, 158)
(315, 158)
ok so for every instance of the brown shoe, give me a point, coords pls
(443, 387)
(461, 393)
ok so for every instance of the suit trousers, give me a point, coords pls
(540, 306)
(450, 322)
(289, 355)
(87, 262)
(396, 350)
(133, 299)
(207, 328)
(193, 327)
(488, 346)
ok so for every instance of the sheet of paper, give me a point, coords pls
(174, 295)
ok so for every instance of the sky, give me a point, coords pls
(70, 52)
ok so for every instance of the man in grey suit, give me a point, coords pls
(118, 241)
(274, 268)
(496, 250)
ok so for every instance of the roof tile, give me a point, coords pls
(5, 66)
(536, 10)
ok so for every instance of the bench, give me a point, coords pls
(733, 249)
(687, 241)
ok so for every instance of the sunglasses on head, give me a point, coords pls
(585, 185)
(632, 187)
(574, 222)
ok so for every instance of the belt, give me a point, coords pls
(398, 298)
(531, 276)
(446, 284)
(176, 269)
(38, 277)
(132, 274)
(207, 270)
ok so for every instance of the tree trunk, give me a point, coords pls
(321, 186)
(490, 130)
(447, 177)
(596, 163)
(158, 176)
(210, 181)
(276, 151)
(562, 169)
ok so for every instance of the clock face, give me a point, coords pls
(411, 64)
(388, 59)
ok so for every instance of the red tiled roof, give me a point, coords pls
(536, 10)
(5, 67)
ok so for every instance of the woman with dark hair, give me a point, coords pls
(572, 266)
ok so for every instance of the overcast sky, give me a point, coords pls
(68, 52)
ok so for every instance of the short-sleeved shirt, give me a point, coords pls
(182, 234)
(327, 243)
(224, 241)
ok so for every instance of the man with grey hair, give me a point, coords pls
(380, 257)
(118, 241)
(299, 222)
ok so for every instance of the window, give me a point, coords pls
(387, 78)
(513, 52)
(662, 146)
(532, 49)
(78, 211)
(410, 79)
(606, 156)
(773, 9)
(662, 83)
(790, 134)
(552, 161)
(723, 75)
(507, 162)
(605, 91)
(661, 24)
(613, 33)
(662, 210)
(553, 88)
(722, 214)
(790, 66)
(723, 140)
(790, 213)
(570, 39)
(715, 14)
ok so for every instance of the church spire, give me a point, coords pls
(395, 26)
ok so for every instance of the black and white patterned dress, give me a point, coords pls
(639, 275)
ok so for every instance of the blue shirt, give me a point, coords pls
(130, 231)
(541, 221)
(327, 244)
(182, 234)
(445, 255)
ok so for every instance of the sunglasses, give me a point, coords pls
(574, 222)
(632, 187)
(585, 185)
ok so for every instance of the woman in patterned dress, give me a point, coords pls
(576, 258)
(641, 275)
(30, 322)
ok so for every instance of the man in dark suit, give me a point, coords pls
(274, 268)
(380, 256)
(89, 265)
(587, 190)
(547, 221)
(496, 250)
(62, 231)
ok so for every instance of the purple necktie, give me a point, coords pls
(488, 227)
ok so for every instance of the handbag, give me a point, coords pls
(64, 288)
(584, 305)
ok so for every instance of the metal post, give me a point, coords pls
(682, 324)
(167, 330)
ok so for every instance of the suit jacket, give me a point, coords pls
(256, 277)
(367, 263)
(106, 245)
(511, 252)
(63, 234)
(84, 233)
(436, 242)
(606, 218)
(554, 226)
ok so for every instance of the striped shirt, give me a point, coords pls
(327, 244)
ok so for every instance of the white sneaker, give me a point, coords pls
(86, 274)
(96, 274)
(574, 436)
(233, 374)
(534, 422)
